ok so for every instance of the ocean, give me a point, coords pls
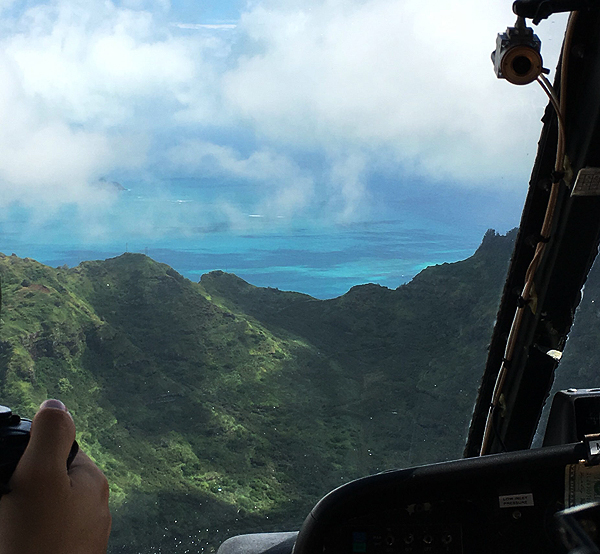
(197, 227)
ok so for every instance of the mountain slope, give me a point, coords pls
(220, 407)
(418, 350)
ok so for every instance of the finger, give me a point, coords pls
(85, 475)
(52, 434)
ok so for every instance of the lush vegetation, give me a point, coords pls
(218, 407)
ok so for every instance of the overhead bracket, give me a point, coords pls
(536, 10)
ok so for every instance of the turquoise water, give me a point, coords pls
(183, 223)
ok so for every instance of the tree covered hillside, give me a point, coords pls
(218, 407)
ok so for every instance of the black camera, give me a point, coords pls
(14, 437)
(517, 56)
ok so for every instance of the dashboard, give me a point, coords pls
(502, 503)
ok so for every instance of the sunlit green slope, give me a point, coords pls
(220, 407)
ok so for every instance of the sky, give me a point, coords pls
(327, 110)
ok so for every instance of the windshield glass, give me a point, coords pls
(216, 220)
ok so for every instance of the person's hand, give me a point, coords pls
(50, 509)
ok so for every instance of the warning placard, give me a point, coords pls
(516, 500)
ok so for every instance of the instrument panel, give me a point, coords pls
(503, 503)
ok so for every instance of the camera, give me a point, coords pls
(14, 437)
(517, 56)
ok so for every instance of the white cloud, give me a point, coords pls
(408, 77)
(195, 155)
(348, 190)
(94, 63)
(42, 159)
(285, 189)
(89, 87)
(85, 86)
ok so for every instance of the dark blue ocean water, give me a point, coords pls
(197, 227)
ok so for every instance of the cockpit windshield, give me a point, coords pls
(257, 248)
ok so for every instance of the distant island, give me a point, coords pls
(110, 185)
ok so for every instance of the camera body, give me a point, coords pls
(14, 437)
(517, 56)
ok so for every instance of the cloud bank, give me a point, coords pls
(407, 79)
(91, 88)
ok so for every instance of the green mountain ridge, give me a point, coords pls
(218, 407)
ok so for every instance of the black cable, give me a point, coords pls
(496, 429)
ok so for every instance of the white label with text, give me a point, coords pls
(516, 500)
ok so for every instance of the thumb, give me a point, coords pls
(52, 434)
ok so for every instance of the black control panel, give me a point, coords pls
(502, 503)
(413, 538)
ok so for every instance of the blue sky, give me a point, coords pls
(210, 12)
(325, 110)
